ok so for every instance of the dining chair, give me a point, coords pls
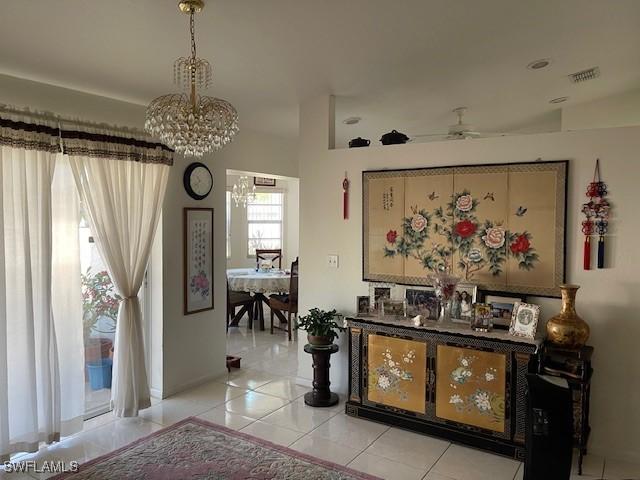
(235, 300)
(269, 254)
(286, 303)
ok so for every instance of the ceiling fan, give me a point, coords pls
(459, 131)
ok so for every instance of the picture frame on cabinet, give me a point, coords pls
(502, 307)
(422, 301)
(524, 321)
(463, 299)
(363, 305)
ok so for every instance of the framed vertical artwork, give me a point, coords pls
(198, 259)
(499, 226)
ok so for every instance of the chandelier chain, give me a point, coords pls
(192, 29)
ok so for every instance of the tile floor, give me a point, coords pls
(263, 400)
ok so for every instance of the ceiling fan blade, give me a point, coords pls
(429, 135)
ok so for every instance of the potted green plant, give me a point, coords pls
(99, 301)
(321, 326)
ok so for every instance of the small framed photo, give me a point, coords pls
(463, 299)
(482, 317)
(264, 182)
(363, 305)
(422, 301)
(395, 308)
(379, 291)
(524, 321)
(502, 307)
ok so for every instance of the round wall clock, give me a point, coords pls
(197, 180)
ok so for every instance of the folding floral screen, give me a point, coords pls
(499, 226)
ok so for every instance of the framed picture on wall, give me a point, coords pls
(264, 182)
(198, 259)
(499, 226)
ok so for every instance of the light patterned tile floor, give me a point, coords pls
(263, 400)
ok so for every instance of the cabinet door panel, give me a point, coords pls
(471, 387)
(397, 372)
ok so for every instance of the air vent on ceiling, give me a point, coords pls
(584, 75)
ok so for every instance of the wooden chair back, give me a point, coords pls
(269, 254)
(293, 285)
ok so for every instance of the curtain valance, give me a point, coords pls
(45, 132)
(18, 133)
(89, 144)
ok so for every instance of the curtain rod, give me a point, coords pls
(52, 117)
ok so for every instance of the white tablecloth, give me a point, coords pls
(248, 280)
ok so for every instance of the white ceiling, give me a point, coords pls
(400, 64)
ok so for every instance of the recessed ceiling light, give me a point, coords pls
(538, 64)
(351, 120)
(559, 100)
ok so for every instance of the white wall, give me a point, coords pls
(239, 233)
(192, 348)
(620, 110)
(195, 345)
(607, 299)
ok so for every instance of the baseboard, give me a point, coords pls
(304, 382)
(620, 455)
(156, 393)
(191, 384)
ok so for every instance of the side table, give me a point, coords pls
(574, 365)
(321, 396)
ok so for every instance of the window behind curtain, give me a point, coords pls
(264, 220)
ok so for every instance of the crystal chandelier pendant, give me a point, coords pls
(190, 123)
(242, 193)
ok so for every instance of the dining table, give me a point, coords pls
(260, 283)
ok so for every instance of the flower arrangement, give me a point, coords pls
(479, 245)
(99, 299)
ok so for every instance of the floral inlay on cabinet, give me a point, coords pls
(470, 387)
(397, 372)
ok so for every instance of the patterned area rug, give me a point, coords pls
(199, 450)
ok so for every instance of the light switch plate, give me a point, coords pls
(332, 261)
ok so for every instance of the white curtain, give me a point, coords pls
(40, 304)
(123, 200)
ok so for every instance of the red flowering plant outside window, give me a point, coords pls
(99, 300)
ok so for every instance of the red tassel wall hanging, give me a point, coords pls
(345, 197)
(597, 222)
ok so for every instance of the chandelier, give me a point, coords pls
(242, 193)
(190, 123)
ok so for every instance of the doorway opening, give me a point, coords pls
(262, 224)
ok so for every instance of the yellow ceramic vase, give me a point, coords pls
(567, 329)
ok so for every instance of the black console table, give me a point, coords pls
(321, 395)
(575, 367)
(442, 379)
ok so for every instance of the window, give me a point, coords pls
(228, 224)
(264, 220)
